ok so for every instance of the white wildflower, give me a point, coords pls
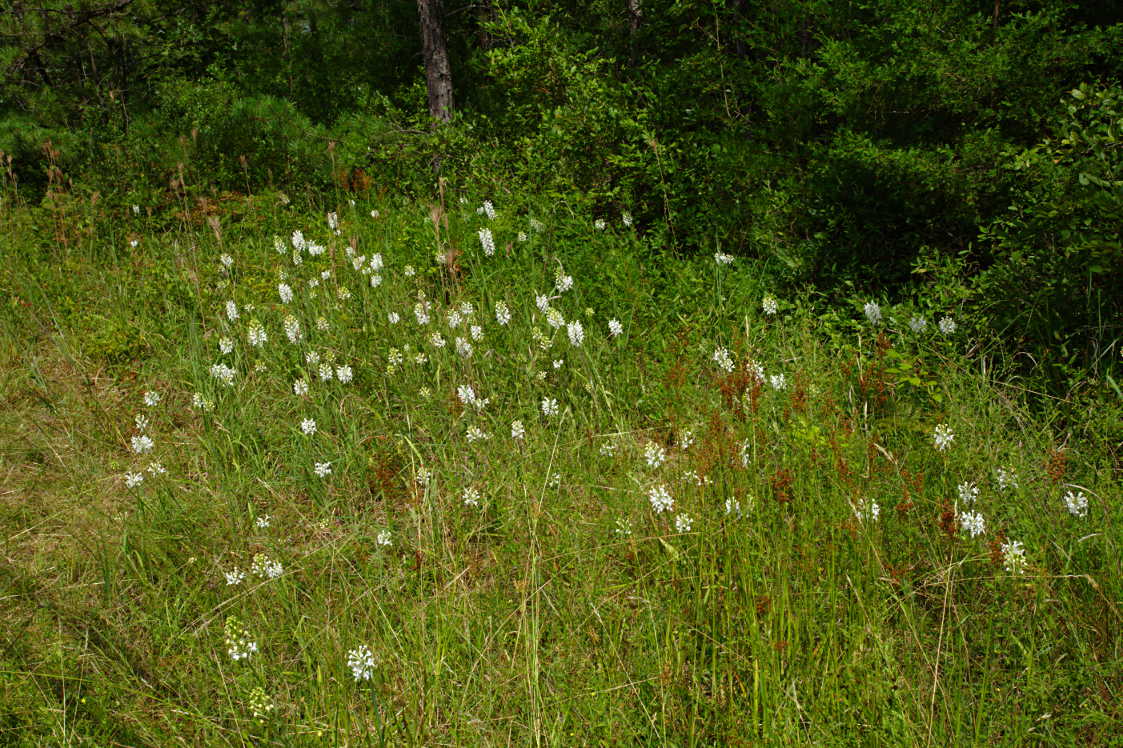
(225, 346)
(234, 576)
(654, 454)
(256, 334)
(1005, 478)
(231, 311)
(660, 499)
(239, 642)
(222, 373)
(973, 523)
(1014, 557)
(745, 453)
(344, 374)
(300, 387)
(322, 469)
(260, 703)
(549, 407)
(518, 431)
(361, 662)
(285, 292)
(873, 312)
(142, 444)
(487, 242)
(308, 426)
(947, 325)
(866, 510)
(723, 259)
(1076, 503)
(918, 324)
(778, 381)
(942, 437)
(265, 567)
(723, 360)
(615, 328)
(683, 523)
(576, 333)
(263, 522)
(968, 492)
(471, 497)
(770, 306)
(132, 480)
(292, 329)
(502, 313)
(325, 371)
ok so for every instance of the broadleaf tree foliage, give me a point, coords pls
(849, 145)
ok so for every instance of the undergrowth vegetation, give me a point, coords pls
(391, 472)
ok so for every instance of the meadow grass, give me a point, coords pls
(815, 580)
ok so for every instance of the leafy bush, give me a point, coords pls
(1056, 257)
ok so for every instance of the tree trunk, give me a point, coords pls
(438, 75)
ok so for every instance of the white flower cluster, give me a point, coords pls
(972, 523)
(866, 510)
(265, 567)
(873, 312)
(487, 242)
(723, 360)
(1014, 557)
(660, 498)
(942, 437)
(360, 660)
(239, 642)
(1076, 503)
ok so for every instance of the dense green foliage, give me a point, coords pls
(852, 146)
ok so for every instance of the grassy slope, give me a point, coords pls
(562, 607)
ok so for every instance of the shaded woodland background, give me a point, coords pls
(966, 152)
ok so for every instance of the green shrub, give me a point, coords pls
(1056, 261)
